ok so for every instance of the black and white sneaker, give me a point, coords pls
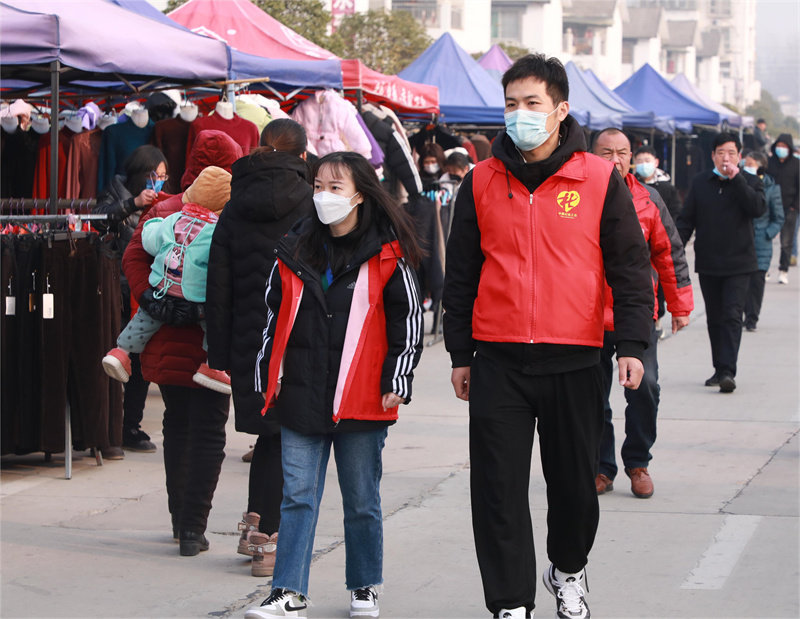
(513, 613)
(364, 603)
(280, 603)
(569, 593)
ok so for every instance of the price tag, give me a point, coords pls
(47, 300)
(11, 301)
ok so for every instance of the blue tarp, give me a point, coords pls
(585, 106)
(467, 93)
(630, 116)
(647, 90)
(283, 74)
(682, 83)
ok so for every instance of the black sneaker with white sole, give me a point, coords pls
(364, 602)
(569, 593)
(280, 603)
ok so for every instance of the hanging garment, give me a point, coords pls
(20, 153)
(253, 112)
(41, 181)
(83, 160)
(118, 142)
(376, 157)
(242, 131)
(398, 165)
(331, 125)
(56, 360)
(169, 136)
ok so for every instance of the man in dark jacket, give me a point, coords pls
(719, 209)
(669, 262)
(784, 167)
(535, 229)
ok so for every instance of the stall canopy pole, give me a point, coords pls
(673, 157)
(55, 72)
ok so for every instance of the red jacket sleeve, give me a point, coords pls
(669, 259)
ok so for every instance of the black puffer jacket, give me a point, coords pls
(117, 203)
(787, 174)
(269, 193)
(314, 350)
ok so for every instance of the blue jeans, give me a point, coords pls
(640, 413)
(359, 467)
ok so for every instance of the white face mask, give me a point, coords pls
(751, 170)
(332, 208)
(431, 168)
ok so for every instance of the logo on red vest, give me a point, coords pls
(567, 201)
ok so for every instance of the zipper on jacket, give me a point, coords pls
(533, 266)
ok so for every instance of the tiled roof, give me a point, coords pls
(643, 23)
(710, 41)
(599, 12)
(681, 33)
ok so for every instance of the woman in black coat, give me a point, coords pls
(270, 191)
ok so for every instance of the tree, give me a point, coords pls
(384, 41)
(308, 18)
(769, 109)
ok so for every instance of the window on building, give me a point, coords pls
(506, 24)
(725, 69)
(457, 16)
(627, 52)
(424, 11)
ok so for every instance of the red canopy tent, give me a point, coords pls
(245, 27)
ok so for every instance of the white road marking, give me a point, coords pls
(721, 556)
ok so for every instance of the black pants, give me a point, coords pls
(194, 448)
(755, 296)
(640, 413)
(266, 482)
(724, 297)
(504, 406)
(787, 239)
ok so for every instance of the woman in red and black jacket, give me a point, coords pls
(195, 417)
(343, 333)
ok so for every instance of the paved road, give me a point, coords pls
(718, 539)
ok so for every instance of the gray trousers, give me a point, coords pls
(141, 328)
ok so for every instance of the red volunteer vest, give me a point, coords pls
(542, 279)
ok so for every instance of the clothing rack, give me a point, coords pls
(12, 204)
(67, 412)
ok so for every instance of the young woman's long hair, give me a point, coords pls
(139, 165)
(377, 204)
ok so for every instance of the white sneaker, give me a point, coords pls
(364, 602)
(783, 277)
(280, 603)
(766, 277)
(569, 592)
(513, 613)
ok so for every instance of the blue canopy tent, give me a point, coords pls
(647, 90)
(630, 116)
(585, 106)
(284, 75)
(467, 93)
(682, 83)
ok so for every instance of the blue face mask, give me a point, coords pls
(646, 169)
(781, 152)
(155, 186)
(527, 129)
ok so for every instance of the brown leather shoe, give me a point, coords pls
(641, 484)
(603, 484)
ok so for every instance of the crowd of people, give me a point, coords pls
(298, 285)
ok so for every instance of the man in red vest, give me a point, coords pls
(537, 230)
(669, 261)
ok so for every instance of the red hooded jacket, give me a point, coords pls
(173, 354)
